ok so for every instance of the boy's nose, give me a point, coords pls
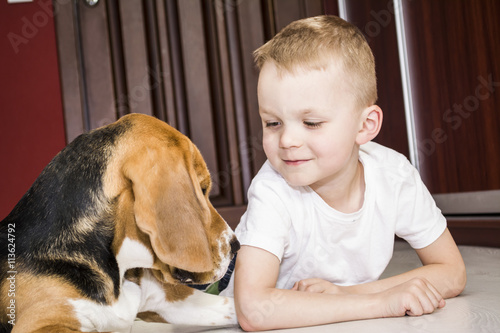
(289, 138)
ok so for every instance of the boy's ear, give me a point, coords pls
(371, 118)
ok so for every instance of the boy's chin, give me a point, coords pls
(297, 181)
(294, 179)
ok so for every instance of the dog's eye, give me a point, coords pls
(204, 191)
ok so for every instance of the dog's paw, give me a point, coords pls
(201, 309)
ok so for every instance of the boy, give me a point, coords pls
(323, 210)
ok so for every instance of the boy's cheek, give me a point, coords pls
(267, 144)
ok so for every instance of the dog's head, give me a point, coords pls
(164, 192)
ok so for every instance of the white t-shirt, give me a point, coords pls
(313, 240)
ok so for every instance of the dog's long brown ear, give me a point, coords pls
(167, 209)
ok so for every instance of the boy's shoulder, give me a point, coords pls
(382, 156)
(386, 162)
(381, 153)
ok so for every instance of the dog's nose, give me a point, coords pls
(235, 245)
(183, 276)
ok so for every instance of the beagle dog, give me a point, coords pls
(114, 228)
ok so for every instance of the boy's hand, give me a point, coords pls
(414, 298)
(318, 286)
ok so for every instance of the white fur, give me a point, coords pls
(133, 254)
(121, 314)
(225, 257)
(104, 318)
(197, 309)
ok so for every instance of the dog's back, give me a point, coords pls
(59, 225)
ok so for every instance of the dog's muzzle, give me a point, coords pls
(235, 245)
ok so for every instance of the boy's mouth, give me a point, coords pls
(295, 162)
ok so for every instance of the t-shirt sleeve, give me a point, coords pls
(266, 222)
(420, 221)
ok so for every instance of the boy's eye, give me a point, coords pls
(272, 123)
(312, 124)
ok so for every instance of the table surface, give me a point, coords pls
(477, 309)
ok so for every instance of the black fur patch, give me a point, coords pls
(68, 191)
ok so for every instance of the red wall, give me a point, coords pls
(31, 115)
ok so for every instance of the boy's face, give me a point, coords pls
(310, 124)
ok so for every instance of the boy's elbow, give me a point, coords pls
(249, 320)
(253, 324)
(462, 281)
(253, 313)
(246, 324)
(459, 281)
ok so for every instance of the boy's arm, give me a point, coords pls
(443, 267)
(261, 306)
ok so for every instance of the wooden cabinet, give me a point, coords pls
(454, 79)
(453, 53)
(438, 80)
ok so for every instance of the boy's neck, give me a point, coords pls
(345, 194)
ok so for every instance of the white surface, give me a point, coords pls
(477, 309)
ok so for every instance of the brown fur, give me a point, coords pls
(44, 299)
(150, 317)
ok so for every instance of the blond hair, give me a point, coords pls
(314, 42)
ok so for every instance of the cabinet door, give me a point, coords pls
(454, 73)
(179, 61)
(451, 81)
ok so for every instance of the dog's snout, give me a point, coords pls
(235, 245)
(183, 276)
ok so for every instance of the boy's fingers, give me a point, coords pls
(309, 285)
(430, 300)
(442, 304)
(414, 307)
(429, 304)
(302, 285)
(420, 306)
(420, 297)
(436, 297)
(299, 285)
